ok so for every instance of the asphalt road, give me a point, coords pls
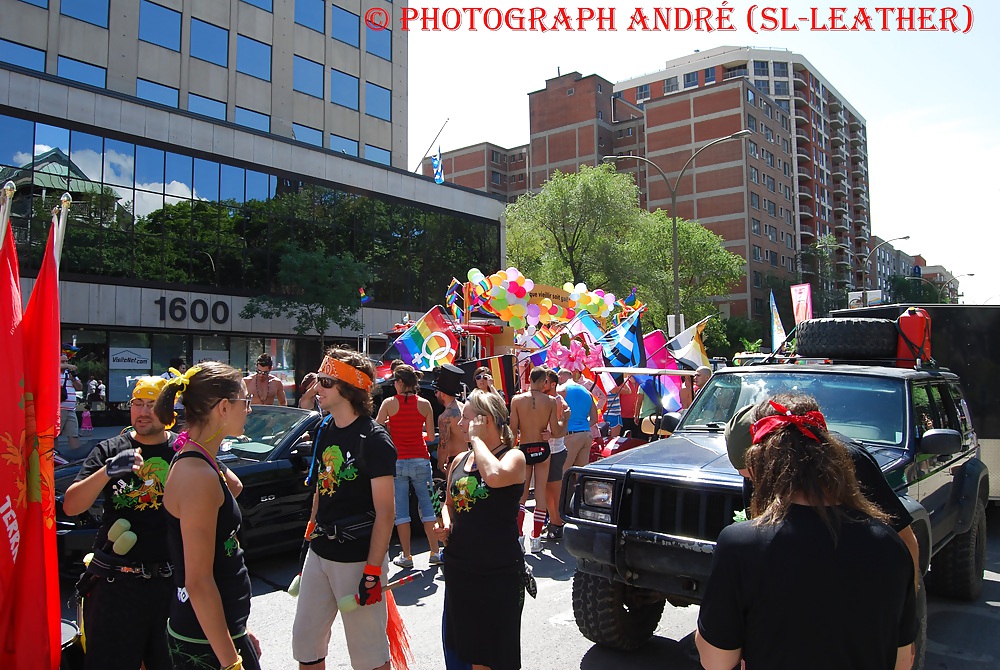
(961, 635)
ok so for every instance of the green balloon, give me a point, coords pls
(499, 304)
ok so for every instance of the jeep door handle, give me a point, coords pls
(265, 499)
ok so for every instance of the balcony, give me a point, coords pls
(800, 80)
(802, 114)
(839, 156)
(861, 219)
(860, 205)
(862, 235)
(836, 139)
(855, 124)
(859, 170)
(804, 154)
(803, 97)
(857, 139)
(805, 213)
(806, 231)
(841, 191)
(837, 122)
(808, 268)
(804, 173)
(840, 207)
(802, 135)
(842, 224)
(805, 192)
(840, 174)
(857, 156)
(835, 105)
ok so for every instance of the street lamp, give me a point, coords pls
(864, 268)
(947, 284)
(937, 289)
(738, 135)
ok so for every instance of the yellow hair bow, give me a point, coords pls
(183, 380)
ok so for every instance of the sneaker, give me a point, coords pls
(436, 559)
(553, 532)
(536, 545)
(402, 561)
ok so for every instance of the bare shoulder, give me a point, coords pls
(192, 480)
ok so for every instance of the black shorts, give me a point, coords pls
(556, 465)
(124, 623)
(535, 452)
(190, 654)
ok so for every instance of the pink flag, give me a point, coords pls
(802, 304)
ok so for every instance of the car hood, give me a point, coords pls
(687, 455)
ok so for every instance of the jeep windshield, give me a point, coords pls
(867, 409)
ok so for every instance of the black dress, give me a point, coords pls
(483, 564)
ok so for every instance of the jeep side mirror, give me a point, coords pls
(670, 421)
(940, 441)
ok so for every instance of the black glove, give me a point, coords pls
(121, 464)
(370, 587)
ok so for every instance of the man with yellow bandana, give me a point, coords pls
(127, 588)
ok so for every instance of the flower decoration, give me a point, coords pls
(576, 357)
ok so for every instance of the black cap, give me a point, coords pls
(448, 379)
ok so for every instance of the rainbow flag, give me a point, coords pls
(429, 343)
(365, 299)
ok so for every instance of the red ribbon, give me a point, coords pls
(760, 429)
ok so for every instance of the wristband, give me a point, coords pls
(310, 529)
(238, 665)
(374, 570)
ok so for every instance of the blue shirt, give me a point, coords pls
(580, 401)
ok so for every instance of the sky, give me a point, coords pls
(930, 99)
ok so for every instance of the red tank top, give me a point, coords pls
(406, 427)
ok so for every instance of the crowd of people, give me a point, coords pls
(826, 532)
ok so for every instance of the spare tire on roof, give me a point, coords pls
(857, 339)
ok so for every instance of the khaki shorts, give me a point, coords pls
(323, 582)
(578, 446)
(69, 426)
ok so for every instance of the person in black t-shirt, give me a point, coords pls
(128, 592)
(354, 466)
(817, 579)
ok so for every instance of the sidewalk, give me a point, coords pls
(87, 442)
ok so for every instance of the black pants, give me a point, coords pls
(187, 654)
(125, 622)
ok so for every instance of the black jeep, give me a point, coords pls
(643, 524)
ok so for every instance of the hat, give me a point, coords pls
(738, 438)
(448, 379)
(148, 387)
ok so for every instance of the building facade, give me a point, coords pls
(185, 210)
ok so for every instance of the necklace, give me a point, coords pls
(264, 397)
(212, 461)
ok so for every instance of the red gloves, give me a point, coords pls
(370, 587)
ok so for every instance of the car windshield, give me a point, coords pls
(264, 430)
(869, 409)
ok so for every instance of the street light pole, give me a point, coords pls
(937, 289)
(738, 135)
(864, 268)
(947, 284)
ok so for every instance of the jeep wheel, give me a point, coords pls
(604, 614)
(957, 570)
(846, 338)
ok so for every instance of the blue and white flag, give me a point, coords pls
(438, 164)
(622, 344)
(777, 330)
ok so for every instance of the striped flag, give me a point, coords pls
(365, 298)
(502, 370)
(622, 344)
(438, 166)
(429, 343)
(664, 390)
(585, 325)
(688, 347)
(777, 330)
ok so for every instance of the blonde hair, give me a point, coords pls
(487, 403)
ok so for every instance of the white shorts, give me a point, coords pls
(69, 425)
(323, 583)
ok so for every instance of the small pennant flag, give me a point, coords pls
(365, 298)
(438, 164)
(777, 330)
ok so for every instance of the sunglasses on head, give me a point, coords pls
(326, 382)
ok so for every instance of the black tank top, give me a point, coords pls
(229, 570)
(484, 523)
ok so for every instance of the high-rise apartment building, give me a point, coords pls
(205, 141)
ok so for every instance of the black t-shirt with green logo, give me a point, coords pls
(346, 461)
(137, 497)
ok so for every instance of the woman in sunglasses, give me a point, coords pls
(207, 624)
(484, 382)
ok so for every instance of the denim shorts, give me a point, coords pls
(415, 472)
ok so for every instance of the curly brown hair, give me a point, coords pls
(361, 401)
(786, 462)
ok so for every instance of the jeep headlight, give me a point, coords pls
(598, 493)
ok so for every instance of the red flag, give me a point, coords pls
(37, 619)
(13, 500)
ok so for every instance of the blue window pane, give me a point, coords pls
(85, 73)
(159, 25)
(16, 141)
(245, 117)
(148, 90)
(38, 3)
(378, 101)
(253, 58)
(307, 77)
(346, 27)
(91, 11)
(343, 145)
(51, 149)
(149, 169)
(206, 180)
(210, 43)
(206, 107)
(379, 42)
(343, 89)
(258, 186)
(378, 155)
(263, 4)
(309, 13)
(18, 54)
(119, 162)
(232, 183)
(178, 180)
(86, 152)
(307, 134)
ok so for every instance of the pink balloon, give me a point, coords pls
(528, 285)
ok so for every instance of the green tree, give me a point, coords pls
(818, 258)
(905, 288)
(316, 290)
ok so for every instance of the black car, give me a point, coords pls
(271, 459)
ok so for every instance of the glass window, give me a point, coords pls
(16, 141)
(232, 187)
(253, 58)
(642, 92)
(148, 90)
(159, 25)
(85, 73)
(781, 88)
(307, 77)
(206, 107)
(755, 226)
(309, 13)
(38, 3)
(263, 4)
(669, 85)
(343, 145)
(379, 43)
(763, 84)
(18, 54)
(119, 163)
(206, 180)
(178, 182)
(690, 79)
(709, 75)
(378, 155)
(346, 27)
(343, 89)
(149, 169)
(87, 154)
(251, 119)
(780, 69)
(260, 186)
(91, 11)
(209, 43)
(760, 68)
(307, 134)
(378, 101)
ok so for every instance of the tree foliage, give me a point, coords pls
(904, 288)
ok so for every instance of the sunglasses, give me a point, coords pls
(263, 372)
(248, 400)
(483, 376)
(326, 382)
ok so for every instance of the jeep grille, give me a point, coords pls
(685, 512)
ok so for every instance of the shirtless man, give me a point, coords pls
(451, 440)
(531, 414)
(264, 387)
(556, 435)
